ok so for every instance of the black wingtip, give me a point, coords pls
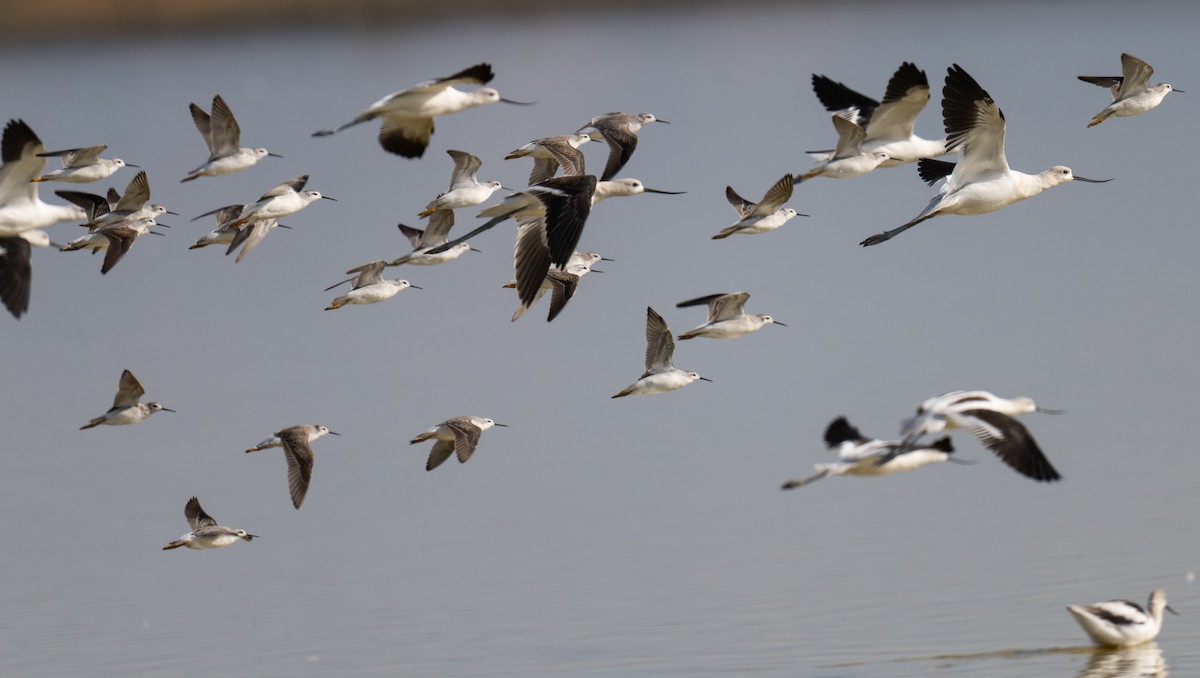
(839, 431)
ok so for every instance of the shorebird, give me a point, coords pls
(888, 125)
(459, 435)
(247, 236)
(850, 158)
(620, 131)
(94, 207)
(437, 233)
(206, 533)
(765, 215)
(131, 206)
(989, 418)
(125, 408)
(982, 182)
(369, 287)
(660, 375)
(726, 316)
(223, 137)
(115, 222)
(562, 283)
(465, 189)
(408, 114)
(1131, 91)
(283, 200)
(82, 165)
(295, 441)
(16, 268)
(550, 152)
(1121, 622)
(20, 207)
(622, 188)
(859, 455)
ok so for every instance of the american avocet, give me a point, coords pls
(849, 159)
(562, 282)
(1131, 91)
(726, 316)
(16, 268)
(623, 188)
(766, 215)
(888, 125)
(82, 165)
(660, 375)
(620, 131)
(295, 441)
(982, 182)
(550, 152)
(206, 533)
(408, 114)
(223, 137)
(283, 200)
(465, 189)
(859, 455)
(1121, 622)
(20, 207)
(369, 287)
(125, 408)
(990, 419)
(459, 435)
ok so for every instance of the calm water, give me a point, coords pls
(643, 536)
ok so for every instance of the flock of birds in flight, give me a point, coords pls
(550, 215)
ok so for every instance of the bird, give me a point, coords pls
(465, 189)
(660, 375)
(850, 158)
(131, 205)
(120, 237)
(16, 268)
(115, 221)
(223, 137)
(369, 287)
(246, 236)
(295, 441)
(766, 215)
(125, 408)
(407, 115)
(1131, 91)
(982, 182)
(220, 235)
(859, 455)
(94, 206)
(206, 533)
(989, 418)
(82, 165)
(20, 207)
(549, 153)
(888, 125)
(283, 200)
(562, 283)
(727, 316)
(1121, 622)
(614, 188)
(459, 435)
(619, 130)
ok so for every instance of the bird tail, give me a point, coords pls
(93, 423)
(174, 545)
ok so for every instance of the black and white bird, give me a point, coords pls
(859, 455)
(296, 443)
(1117, 623)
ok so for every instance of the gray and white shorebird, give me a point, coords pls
(727, 316)
(1131, 91)
(284, 200)
(466, 190)
(660, 375)
(16, 268)
(82, 165)
(134, 204)
(766, 215)
(296, 443)
(562, 283)
(619, 130)
(206, 533)
(849, 158)
(246, 236)
(94, 206)
(407, 116)
(982, 181)
(989, 418)
(1118, 623)
(859, 455)
(20, 207)
(436, 234)
(223, 137)
(369, 287)
(459, 435)
(623, 188)
(125, 408)
(549, 153)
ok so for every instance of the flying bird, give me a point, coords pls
(82, 165)
(766, 215)
(296, 443)
(206, 533)
(859, 455)
(1131, 91)
(459, 435)
(727, 316)
(661, 374)
(620, 131)
(125, 408)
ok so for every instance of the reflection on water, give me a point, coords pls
(1140, 661)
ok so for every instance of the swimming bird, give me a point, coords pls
(623, 188)
(16, 268)
(1121, 622)
(982, 182)
(726, 316)
(850, 158)
(859, 455)
(459, 435)
(206, 533)
(295, 441)
(888, 125)
(223, 137)
(660, 375)
(989, 418)
(82, 165)
(1131, 91)
(620, 131)
(550, 152)
(125, 408)
(765, 215)
(562, 282)
(283, 200)
(407, 115)
(20, 207)
(465, 188)
(370, 288)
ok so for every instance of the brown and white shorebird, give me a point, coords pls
(296, 443)
(661, 374)
(459, 436)
(125, 408)
(206, 533)
(1131, 91)
(82, 165)
(727, 316)
(619, 130)
(765, 215)
(549, 153)
(223, 138)
(466, 190)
